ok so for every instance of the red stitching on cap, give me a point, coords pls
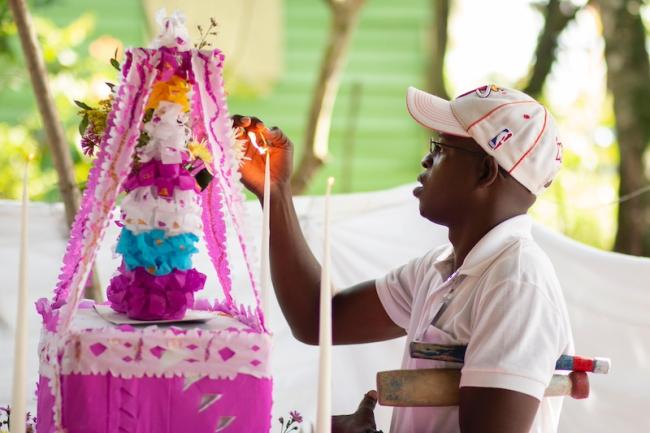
(534, 144)
(489, 113)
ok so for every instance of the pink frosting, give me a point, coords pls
(143, 296)
(165, 177)
(154, 405)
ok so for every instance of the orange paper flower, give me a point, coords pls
(175, 90)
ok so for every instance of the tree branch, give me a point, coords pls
(344, 19)
(439, 32)
(628, 78)
(557, 15)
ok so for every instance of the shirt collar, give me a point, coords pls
(488, 248)
(445, 262)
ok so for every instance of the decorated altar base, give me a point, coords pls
(183, 377)
(168, 123)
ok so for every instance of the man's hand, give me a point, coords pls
(281, 155)
(362, 421)
(294, 269)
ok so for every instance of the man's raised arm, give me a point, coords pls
(357, 313)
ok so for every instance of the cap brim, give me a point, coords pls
(433, 112)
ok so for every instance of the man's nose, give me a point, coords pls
(427, 161)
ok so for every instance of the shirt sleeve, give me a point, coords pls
(516, 338)
(396, 291)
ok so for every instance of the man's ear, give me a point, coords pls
(488, 171)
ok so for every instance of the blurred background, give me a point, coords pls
(333, 75)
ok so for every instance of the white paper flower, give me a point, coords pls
(173, 32)
(168, 134)
(142, 211)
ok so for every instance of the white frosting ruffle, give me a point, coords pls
(220, 348)
(143, 210)
(168, 134)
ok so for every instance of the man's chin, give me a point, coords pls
(431, 216)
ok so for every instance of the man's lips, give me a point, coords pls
(418, 189)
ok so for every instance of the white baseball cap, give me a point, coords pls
(509, 125)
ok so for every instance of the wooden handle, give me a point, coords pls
(440, 387)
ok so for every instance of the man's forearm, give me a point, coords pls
(294, 269)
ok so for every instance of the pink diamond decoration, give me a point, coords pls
(192, 360)
(226, 353)
(127, 344)
(97, 349)
(255, 348)
(157, 351)
(127, 359)
(255, 362)
(192, 346)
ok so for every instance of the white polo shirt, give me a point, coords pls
(504, 302)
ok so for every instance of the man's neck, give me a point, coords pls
(465, 235)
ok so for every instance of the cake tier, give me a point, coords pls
(157, 253)
(108, 404)
(144, 210)
(195, 377)
(165, 178)
(143, 296)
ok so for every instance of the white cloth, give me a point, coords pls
(607, 296)
(504, 302)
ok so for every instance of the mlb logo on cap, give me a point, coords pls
(513, 128)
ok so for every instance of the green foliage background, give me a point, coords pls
(383, 61)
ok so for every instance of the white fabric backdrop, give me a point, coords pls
(608, 296)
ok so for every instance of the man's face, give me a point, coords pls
(449, 179)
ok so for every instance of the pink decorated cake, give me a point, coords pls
(142, 365)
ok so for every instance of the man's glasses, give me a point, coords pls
(436, 146)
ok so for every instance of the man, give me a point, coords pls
(492, 289)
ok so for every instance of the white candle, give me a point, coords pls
(324, 408)
(264, 260)
(18, 400)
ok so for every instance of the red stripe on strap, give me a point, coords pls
(582, 364)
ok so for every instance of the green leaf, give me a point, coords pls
(116, 64)
(83, 105)
(143, 139)
(148, 115)
(83, 125)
